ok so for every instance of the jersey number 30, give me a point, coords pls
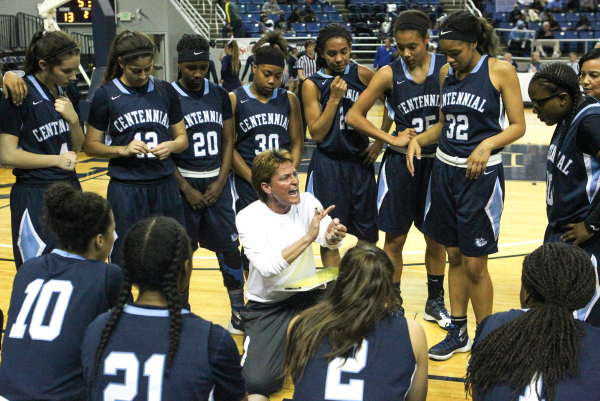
(37, 331)
(264, 142)
(354, 390)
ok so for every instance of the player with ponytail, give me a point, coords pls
(183, 355)
(572, 168)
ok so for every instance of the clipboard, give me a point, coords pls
(306, 284)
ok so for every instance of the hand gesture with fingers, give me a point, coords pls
(336, 232)
(404, 137)
(338, 89)
(314, 228)
(64, 106)
(414, 149)
(577, 233)
(163, 150)
(477, 161)
(135, 147)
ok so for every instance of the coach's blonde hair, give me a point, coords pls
(264, 166)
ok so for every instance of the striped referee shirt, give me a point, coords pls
(307, 65)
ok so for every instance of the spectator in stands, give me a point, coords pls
(523, 19)
(295, 17)
(264, 25)
(583, 24)
(515, 14)
(535, 64)
(508, 58)
(308, 15)
(554, 5)
(384, 54)
(538, 5)
(271, 7)
(519, 40)
(283, 25)
(547, 47)
(588, 5)
(531, 14)
(573, 62)
(234, 20)
(554, 26)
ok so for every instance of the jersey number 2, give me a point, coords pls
(354, 390)
(127, 361)
(37, 331)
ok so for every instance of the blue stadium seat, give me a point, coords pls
(300, 28)
(286, 8)
(535, 26)
(560, 16)
(597, 34)
(365, 8)
(586, 35)
(505, 25)
(379, 8)
(402, 7)
(591, 16)
(348, 27)
(329, 9)
(315, 7)
(336, 18)
(273, 17)
(252, 28)
(313, 26)
(253, 8)
(596, 25)
(242, 9)
(324, 17)
(365, 17)
(247, 17)
(573, 17)
(353, 17)
(320, 16)
(353, 8)
(245, 1)
(289, 35)
(565, 25)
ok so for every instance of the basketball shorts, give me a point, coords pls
(212, 227)
(29, 236)
(265, 339)
(351, 187)
(464, 213)
(133, 201)
(591, 312)
(401, 198)
(244, 193)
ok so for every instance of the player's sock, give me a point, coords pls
(458, 321)
(435, 286)
(233, 277)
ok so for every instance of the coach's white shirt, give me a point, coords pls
(265, 234)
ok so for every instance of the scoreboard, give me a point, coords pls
(76, 12)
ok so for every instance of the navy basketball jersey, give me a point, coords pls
(572, 177)
(261, 126)
(583, 387)
(381, 369)
(54, 298)
(138, 349)
(413, 105)
(138, 116)
(203, 114)
(473, 111)
(342, 142)
(41, 130)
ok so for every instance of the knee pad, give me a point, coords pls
(231, 268)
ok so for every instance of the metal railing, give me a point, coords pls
(220, 16)
(8, 31)
(86, 44)
(470, 7)
(27, 26)
(189, 12)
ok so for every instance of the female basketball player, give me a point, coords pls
(466, 194)
(202, 171)
(143, 122)
(341, 170)
(412, 87)
(265, 115)
(41, 138)
(56, 296)
(323, 343)
(162, 348)
(541, 352)
(572, 168)
(230, 67)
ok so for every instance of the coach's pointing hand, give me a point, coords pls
(315, 224)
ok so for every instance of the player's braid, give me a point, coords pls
(560, 77)
(114, 318)
(544, 341)
(170, 289)
(326, 33)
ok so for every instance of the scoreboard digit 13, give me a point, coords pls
(76, 12)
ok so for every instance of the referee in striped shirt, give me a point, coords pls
(307, 66)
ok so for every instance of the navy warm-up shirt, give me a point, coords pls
(145, 113)
(40, 128)
(204, 112)
(54, 298)
(583, 387)
(207, 358)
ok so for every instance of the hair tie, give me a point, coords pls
(230, 40)
(556, 302)
(58, 53)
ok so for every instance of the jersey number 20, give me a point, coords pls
(37, 330)
(354, 390)
(200, 144)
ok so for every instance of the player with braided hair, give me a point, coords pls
(180, 353)
(541, 352)
(72, 286)
(572, 173)
(341, 171)
(466, 192)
